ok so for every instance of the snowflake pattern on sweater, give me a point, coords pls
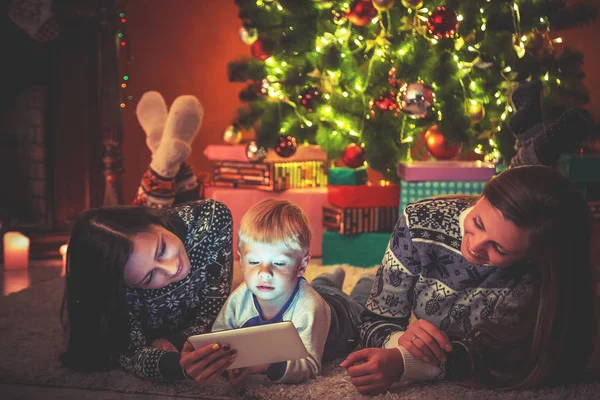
(424, 272)
(189, 306)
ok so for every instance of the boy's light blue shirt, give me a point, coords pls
(306, 309)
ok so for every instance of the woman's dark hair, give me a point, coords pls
(553, 341)
(94, 311)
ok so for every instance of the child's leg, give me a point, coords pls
(362, 289)
(187, 187)
(333, 279)
(182, 123)
(345, 312)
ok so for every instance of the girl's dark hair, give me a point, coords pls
(94, 311)
(553, 341)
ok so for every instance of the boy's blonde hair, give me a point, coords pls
(274, 221)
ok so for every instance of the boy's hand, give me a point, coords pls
(380, 369)
(164, 344)
(425, 341)
(237, 375)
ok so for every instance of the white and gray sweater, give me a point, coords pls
(424, 272)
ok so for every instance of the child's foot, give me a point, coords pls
(184, 119)
(333, 279)
(527, 101)
(151, 112)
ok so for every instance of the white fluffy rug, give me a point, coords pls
(31, 341)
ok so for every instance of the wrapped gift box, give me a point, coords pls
(581, 168)
(364, 196)
(362, 250)
(350, 221)
(239, 201)
(215, 152)
(445, 171)
(413, 191)
(269, 176)
(347, 176)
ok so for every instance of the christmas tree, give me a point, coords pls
(370, 78)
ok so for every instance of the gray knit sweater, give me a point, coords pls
(424, 272)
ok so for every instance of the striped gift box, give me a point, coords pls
(351, 221)
(269, 176)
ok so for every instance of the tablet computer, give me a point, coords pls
(255, 345)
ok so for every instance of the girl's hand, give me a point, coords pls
(207, 363)
(379, 370)
(425, 341)
(164, 344)
(237, 375)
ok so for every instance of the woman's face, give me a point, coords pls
(158, 259)
(489, 238)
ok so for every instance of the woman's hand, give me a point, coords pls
(379, 370)
(237, 375)
(164, 344)
(425, 341)
(206, 363)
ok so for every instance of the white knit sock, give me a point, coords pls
(151, 112)
(184, 119)
(167, 159)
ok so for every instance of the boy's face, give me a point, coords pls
(272, 271)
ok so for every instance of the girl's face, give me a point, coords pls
(489, 238)
(158, 259)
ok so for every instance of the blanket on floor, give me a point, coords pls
(31, 341)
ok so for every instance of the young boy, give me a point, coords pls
(274, 249)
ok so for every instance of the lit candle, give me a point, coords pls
(63, 253)
(16, 250)
(15, 281)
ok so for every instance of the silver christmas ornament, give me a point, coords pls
(248, 36)
(255, 153)
(232, 135)
(416, 99)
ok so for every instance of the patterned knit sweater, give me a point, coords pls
(189, 306)
(424, 272)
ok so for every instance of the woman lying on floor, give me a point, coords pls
(501, 287)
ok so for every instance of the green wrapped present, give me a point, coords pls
(344, 176)
(414, 191)
(581, 168)
(362, 250)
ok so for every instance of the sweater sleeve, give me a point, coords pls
(415, 369)
(209, 230)
(389, 305)
(312, 318)
(147, 362)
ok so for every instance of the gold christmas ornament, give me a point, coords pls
(383, 5)
(475, 111)
(232, 135)
(412, 4)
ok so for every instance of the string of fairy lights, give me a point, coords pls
(352, 41)
(125, 58)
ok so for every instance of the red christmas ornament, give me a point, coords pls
(354, 156)
(286, 147)
(310, 97)
(258, 50)
(362, 13)
(385, 102)
(442, 22)
(438, 146)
